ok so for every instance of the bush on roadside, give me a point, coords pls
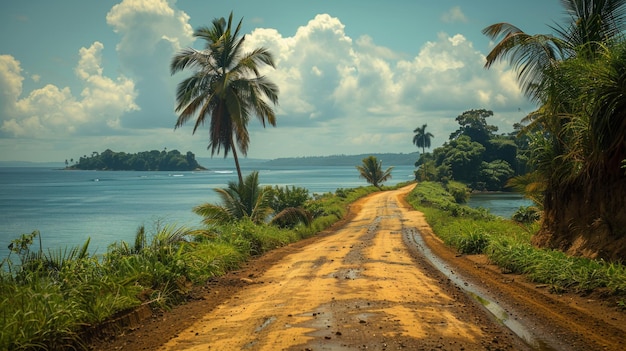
(48, 299)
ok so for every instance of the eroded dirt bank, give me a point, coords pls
(360, 287)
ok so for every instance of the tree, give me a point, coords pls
(240, 200)
(576, 137)
(225, 89)
(473, 123)
(248, 200)
(371, 170)
(422, 138)
(495, 174)
(462, 156)
(592, 24)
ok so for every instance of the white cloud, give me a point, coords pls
(355, 94)
(53, 112)
(454, 15)
(337, 94)
(11, 81)
(151, 32)
(144, 23)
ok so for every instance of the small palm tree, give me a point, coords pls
(422, 138)
(225, 88)
(371, 170)
(248, 199)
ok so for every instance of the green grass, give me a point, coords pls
(47, 299)
(507, 244)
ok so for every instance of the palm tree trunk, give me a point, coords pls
(234, 148)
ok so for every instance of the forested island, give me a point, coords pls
(153, 160)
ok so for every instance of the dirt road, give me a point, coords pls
(362, 287)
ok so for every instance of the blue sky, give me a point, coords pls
(354, 76)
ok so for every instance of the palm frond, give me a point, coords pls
(291, 216)
(225, 87)
(213, 214)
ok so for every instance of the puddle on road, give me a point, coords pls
(265, 324)
(346, 273)
(414, 237)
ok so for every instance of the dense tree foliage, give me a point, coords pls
(474, 155)
(577, 137)
(153, 160)
(473, 123)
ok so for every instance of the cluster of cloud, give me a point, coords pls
(53, 112)
(337, 94)
(356, 95)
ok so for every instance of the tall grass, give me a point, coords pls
(48, 299)
(507, 244)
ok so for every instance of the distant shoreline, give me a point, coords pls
(389, 159)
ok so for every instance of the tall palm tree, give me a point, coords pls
(422, 138)
(578, 78)
(225, 88)
(371, 170)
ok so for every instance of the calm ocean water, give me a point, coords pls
(68, 207)
(500, 204)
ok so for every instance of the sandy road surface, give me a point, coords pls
(360, 288)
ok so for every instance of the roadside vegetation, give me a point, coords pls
(576, 76)
(56, 299)
(569, 155)
(507, 243)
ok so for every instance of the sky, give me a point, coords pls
(355, 77)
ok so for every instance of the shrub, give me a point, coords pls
(284, 197)
(459, 192)
(527, 214)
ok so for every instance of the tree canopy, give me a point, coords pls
(474, 155)
(153, 160)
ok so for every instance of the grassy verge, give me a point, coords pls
(507, 244)
(49, 299)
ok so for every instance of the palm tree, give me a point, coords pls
(371, 170)
(577, 135)
(593, 23)
(225, 89)
(248, 199)
(240, 200)
(422, 138)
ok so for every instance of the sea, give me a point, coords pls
(69, 207)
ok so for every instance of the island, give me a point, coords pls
(153, 160)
